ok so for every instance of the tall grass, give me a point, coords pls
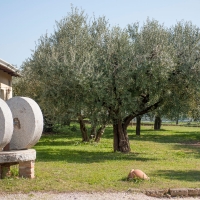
(170, 157)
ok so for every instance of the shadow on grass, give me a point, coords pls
(59, 143)
(187, 143)
(62, 147)
(178, 137)
(78, 156)
(161, 136)
(189, 176)
(188, 149)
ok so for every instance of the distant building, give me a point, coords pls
(7, 71)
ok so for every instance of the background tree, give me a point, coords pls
(184, 79)
(138, 124)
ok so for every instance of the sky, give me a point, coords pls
(23, 22)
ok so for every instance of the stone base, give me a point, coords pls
(25, 159)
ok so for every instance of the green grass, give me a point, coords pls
(170, 157)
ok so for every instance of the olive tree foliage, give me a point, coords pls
(148, 75)
(164, 68)
(185, 39)
(184, 79)
(109, 74)
(62, 67)
(134, 67)
(194, 111)
(184, 90)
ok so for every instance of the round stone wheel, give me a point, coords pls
(6, 124)
(28, 122)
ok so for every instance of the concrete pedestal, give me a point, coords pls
(25, 159)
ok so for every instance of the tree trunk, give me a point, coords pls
(157, 123)
(48, 126)
(83, 129)
(121, 141)
(176, 121)
(93, 131)
(100, 133)
(138, 125)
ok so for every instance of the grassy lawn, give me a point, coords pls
(170, 157)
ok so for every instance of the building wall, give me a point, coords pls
(5, 85)
(5, 78)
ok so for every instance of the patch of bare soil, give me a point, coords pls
(192, 143)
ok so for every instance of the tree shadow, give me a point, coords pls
(186, 143)
(189, 148)
(189, 176)
(82, 156)
(152, 130)
(177, 137)
(53, 147)
(73, 142)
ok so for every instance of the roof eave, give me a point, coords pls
(8, 68)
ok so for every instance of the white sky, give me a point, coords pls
(22, 22)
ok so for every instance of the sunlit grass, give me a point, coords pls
(170, 157)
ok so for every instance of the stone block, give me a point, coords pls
(198, 191)
(27, 164)
(192, 192)
(156, 193)
(17, 156)
(26, 169)
(178, 192)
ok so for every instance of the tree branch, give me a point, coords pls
(146, 110)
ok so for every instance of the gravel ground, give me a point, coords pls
(86, 196)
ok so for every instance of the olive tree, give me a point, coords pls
(139, 76)
(184, 79)
(60, 72)
(109, 74)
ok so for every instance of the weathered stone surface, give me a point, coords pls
(17, 156)
(193, 192)
(156, 193)
(178, 192)
(198, 191)
(6, 124)
(28, 122)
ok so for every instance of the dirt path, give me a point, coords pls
(86, 196)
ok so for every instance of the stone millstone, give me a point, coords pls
(28, 122)
(6, 124)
